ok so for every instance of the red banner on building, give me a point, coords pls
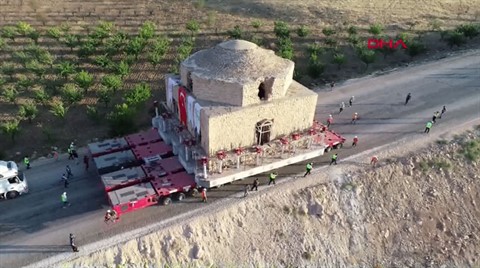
(182, 105)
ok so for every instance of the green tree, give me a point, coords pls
(9, 32)
(415, 47)
(28, 111)
(36, 67)
(122, 120)
(154, 58)
(65, 69)
(367, 56)
(112, 82)
(24, 28)
(72, 41)
(84, 80)
(193, 27)
(184, 50)
(285, 48)
(45, 58)
(8, 69)
(281, 29)
(71, 94)
(87, 48)
(104, 29)
(115, 43)
(105, 95)
(10, 94)
(122, 69)
(11, 129)
(135, 46)
(138, 95)
(376, 29)
(147, 30)
(55, 33)
(339, 59)
(58, 109)
(161, 46)
(303, 31)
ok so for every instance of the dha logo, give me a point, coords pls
(380, 43)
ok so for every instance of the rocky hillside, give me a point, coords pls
(418, 210)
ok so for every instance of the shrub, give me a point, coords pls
(315, 67)
(112, 82)
(28, 111)
(54, 33)
(46, 58)
(286, 48)
(328, 31)
(184, 49)
(303, 31)
(339, 59)
(436, 25)
(84, 80)
(281, 29)
(115, 43)
(41, 96)
(352, 30)
(122, 69)
(105, 96)
(93, 114)
(353, 39)
(415, 47)
(10, 94)
(72, 41)
(257, 24)
(193, 26)
(331, 42)
(122, 120)
(21, 57)
(257, 40)
(161, 46)
(88, 48)
(65, 69)
(9, 32)
(454, 38)
(138, 95)
(147, 30)
(468, 30)
(71, 94)
(315, 48)
(104, 29)
(58, 109)
(8, 69)
(236, 32)
(376, 29)
(34, 35)
(11, 129)
(24, 28)
(103, 61)
(35, 67)
(135, 46)
(367, 56)
(471, 150)
(154, 58)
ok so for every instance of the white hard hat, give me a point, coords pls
(64, 192)
(109, 211)
(355, 136)
(356, 113)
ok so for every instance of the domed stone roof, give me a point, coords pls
(237, 61)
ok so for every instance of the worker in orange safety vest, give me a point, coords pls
(374, 160)
(204, 195)
(355, 141)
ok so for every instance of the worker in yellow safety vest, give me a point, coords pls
(272, 178)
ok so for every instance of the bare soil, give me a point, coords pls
(215, 18)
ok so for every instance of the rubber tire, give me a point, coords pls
(180, 197)
(193, 192)
(166, 201)
(12, 195)
(328, 149)
(340, 145)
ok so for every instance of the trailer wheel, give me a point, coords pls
(340, 145)
(328, 149)
(12, 194)
(180, 196)
(193, 192)
(166, 201)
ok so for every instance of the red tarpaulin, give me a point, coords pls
(182, 105)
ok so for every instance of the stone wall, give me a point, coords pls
(237, 128)
(217, 91)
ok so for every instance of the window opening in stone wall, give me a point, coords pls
(262, 94)
(263, 131)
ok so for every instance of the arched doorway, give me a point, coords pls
(263, 131)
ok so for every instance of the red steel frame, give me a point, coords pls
(142, 138)
(132, 198)
(331, 137)
(173, 183)
(152, 149)
(123, 178)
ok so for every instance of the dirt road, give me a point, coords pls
(35, 226)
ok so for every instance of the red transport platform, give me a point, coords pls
(132, 198)
(123, 178)
(107, 146)
(115, 161)
(178, 183)
(142, 138)
(331, 139)
(167, 166)
(159, 149)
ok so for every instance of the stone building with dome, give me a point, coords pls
(238, 94)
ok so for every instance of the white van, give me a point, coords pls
(12, 183)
